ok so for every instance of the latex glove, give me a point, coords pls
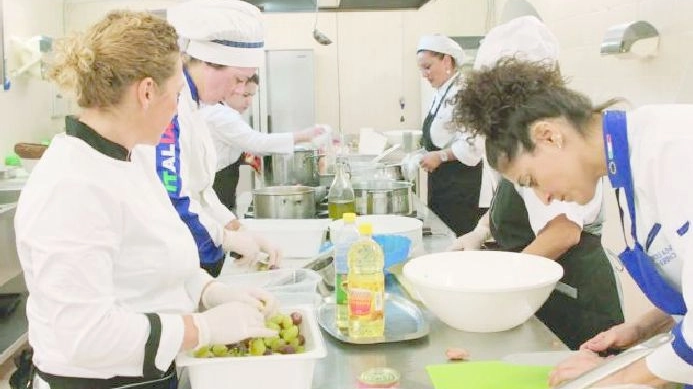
(217, 293)
(274, 253)
(243, 243)
(230, 323)
(310, 134)
(472, 240)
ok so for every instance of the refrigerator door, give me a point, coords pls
(290, 87)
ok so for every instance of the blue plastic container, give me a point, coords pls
(395, 248)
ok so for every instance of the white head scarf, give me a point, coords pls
(442, 44)
(525, 38)
(223, 32)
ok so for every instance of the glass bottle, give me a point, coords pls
(340, 198)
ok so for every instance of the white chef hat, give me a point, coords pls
(442, 44)
(525, 38)
(223, 32)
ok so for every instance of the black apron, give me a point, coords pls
(573, 318)
(152, 377)
(453, 188)
(225, 183)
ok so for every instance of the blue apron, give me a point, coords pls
(639, 265)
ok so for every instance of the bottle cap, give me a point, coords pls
(12, 159)
(366, 229)
(349, 217)
(379, 377)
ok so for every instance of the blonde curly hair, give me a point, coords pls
(96, 66)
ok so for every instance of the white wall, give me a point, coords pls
(25, 109)
(580, 26)
(371, 63)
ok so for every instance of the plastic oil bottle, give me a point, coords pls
(366, 286)
(340, 198)
(348, 234)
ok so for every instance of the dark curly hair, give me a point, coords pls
(502, 101)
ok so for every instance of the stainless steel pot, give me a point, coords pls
(378, 197)
(364, 171)
(284, 202)
(299, 168)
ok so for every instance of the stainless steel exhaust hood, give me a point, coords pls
(336, 5)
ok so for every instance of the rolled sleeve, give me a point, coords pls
(466, 150)
(665, 364)
(172, 331)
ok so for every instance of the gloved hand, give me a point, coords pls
(243, 243)
(470, 241)
(230, 323)
(217, 293)
(274, 253)
(474, 239)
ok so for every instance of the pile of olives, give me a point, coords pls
(289, 341)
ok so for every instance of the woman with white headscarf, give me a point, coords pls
(586, 301)
(452, 161)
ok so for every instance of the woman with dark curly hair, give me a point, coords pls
(586, 300)
(540, 134)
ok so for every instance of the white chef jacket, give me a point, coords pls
(589, 216)
(232, 136)
(466, 149)
(100, 245)
(443, 133)
(661, 142)
(186, 163)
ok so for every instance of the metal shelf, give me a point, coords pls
(13, 328)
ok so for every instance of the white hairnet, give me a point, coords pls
(442, 44)
(525, 37)
(224, 32)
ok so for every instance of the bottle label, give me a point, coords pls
(360, 302)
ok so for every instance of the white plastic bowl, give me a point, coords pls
(483, 291)
(387, 224)
(297, 238)
(262, 372)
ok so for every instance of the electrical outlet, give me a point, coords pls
(59, 104)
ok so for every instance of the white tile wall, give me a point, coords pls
(25, 110)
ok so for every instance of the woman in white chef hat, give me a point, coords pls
(587, 299)
(542, 135)
(112, 273)
(222, 41)
(453, 160)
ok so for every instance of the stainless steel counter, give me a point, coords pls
(344, 362)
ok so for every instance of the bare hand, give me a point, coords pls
(430, 161)
(620, 336)
(572, 367)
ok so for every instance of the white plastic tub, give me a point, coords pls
(262, 372)
(276, 281)
(297, 238)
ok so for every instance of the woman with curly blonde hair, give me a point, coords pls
(112, 272)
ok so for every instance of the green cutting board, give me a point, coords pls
(488, 375)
